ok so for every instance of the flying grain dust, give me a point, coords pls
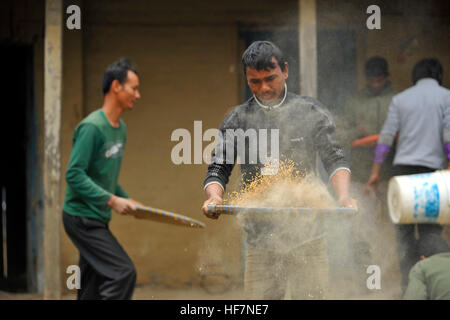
(286, 234)
(287, 188)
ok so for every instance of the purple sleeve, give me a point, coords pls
(447, 150)
(381, 153)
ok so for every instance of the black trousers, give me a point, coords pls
(107, 272)
(415, 240)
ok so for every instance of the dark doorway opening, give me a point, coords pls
(336, 56)
(16, 83)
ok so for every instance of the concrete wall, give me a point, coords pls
(410, 31)
(403, 42)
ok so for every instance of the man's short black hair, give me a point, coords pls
(427, 68)
(117, 71)
(259, 55)
(376, 66)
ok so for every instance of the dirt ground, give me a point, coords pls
(148, 292)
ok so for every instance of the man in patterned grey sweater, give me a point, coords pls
(304, 127)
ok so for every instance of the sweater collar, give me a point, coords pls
(427, 81)
(275, 106)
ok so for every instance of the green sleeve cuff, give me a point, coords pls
(121, 193)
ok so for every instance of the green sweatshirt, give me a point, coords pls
(370, 111)
(94, 167)
(429, 279)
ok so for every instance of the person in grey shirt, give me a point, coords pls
(420, 116)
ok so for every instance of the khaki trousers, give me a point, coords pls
(304, 270)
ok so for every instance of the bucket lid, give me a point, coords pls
(394, 201)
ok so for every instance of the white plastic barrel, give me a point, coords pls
(420, 198)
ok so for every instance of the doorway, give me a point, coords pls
(336, 56)
(17, 137)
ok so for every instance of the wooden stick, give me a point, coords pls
(229, 209)
(145, 212)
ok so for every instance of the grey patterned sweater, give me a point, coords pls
(305, 128)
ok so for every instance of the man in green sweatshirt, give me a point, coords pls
(92, 189)
(364, 115)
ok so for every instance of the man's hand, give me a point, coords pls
(213, 200)
(122, 205)
(214, 193)
(340, 182)
(374, 180)
(363, 132)
(136, 203)
(348, 202)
